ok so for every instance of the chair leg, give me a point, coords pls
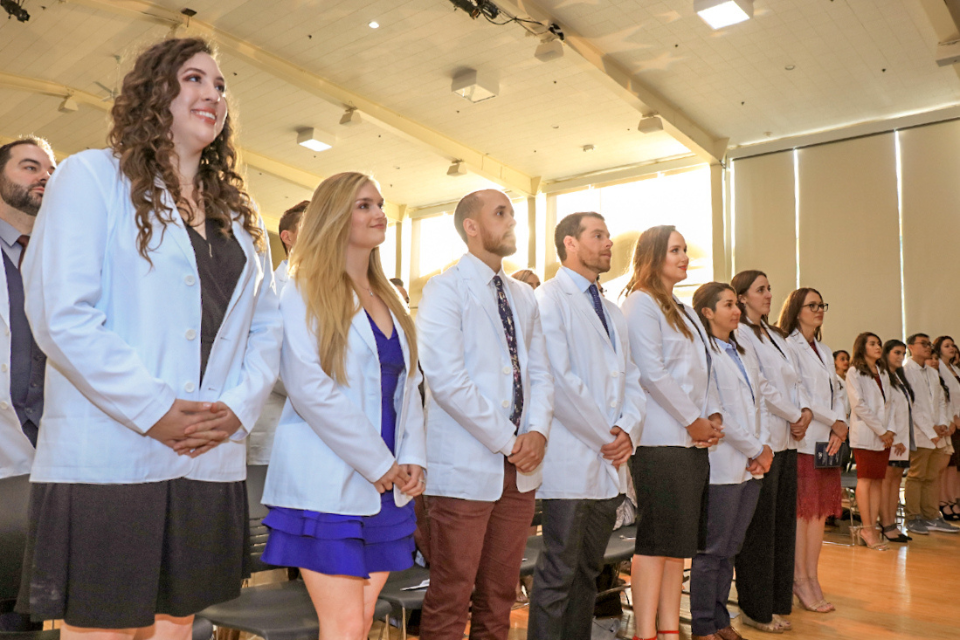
(386, 627)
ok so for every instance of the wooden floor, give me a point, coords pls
(911, 591)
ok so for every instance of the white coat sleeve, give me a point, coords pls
(734, 433)
(858, 403)
(440, 341)
(261, 357)
(646, 342)
(62, 286)
(336, 420)
(634, 401)
(540, 409)
(413, 447)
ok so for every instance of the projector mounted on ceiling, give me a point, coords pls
(476, 8)
(14, 9)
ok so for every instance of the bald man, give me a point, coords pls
(489, 410)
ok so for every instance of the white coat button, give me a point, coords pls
(190, 280)
(3, 367)
(190, 334)
(4, 406)
(614, 373)
(613, 404)
(505, 403)
(508, 369)
(189, 387)
(7, 332)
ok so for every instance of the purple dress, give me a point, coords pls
(336, 544)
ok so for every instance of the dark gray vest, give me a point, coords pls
(27, 362)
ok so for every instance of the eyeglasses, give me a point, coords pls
(814, 306)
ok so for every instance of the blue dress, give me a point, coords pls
(336, 544)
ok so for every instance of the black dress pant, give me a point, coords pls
(575, 537)
(765, 563)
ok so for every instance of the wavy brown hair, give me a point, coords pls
(859, 359)
(140, 137)
(648, 258)
(790, 312)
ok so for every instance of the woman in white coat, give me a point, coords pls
(766, 561)
(949, 480)
(868, 387)
(671, 465)
(736, 464)
(349, 451)
(900, 421)
(818, 489)
(148, 286)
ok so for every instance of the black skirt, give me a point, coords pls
(112, 556)
(672, 488)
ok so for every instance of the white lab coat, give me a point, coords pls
(929, 405)
(122, 335)
(260, 441)
(898, 420)
(819, 380)
(783, 394)
(329, 451)
(844, 398)
(673, 371)
(596, 387)
(466, 362)
(743, 417)
(868, 409)
(953, 404)
(16, 452)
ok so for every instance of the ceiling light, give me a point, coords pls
(350, 117)
(650, 124)
(723, 13)
(457, 169)
(374, 24)
(548, 51)
(315, 140)
(475, 86)
(68, 105)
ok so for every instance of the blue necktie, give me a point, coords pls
(598, 307)
(506, 316)
(732, 350)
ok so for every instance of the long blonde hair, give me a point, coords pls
(318, 266)
(648, 258)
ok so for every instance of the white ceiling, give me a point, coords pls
(732, 83)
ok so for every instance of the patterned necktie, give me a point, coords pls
(598, 307)
(506, 316)
(23, 241)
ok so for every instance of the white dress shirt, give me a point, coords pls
(868, 409)
(819, 379)
(122, 335)
(929, 405)
(673, 371)
(469, 374)
(782, 392)
(329, 450)
(596, 387)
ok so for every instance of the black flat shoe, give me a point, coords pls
(900, 537)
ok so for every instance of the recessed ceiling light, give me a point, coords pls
(723, 13)
(790, 67)
(374, 24)
(315, 140)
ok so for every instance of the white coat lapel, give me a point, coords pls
(361, 324)
(177, 231)
(249, 265)
(581, 306)
(487, 301)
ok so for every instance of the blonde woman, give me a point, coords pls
(349, 451)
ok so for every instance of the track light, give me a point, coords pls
(650, 124)
(457, 169)
(315, 140)
(723, 13)
(350, 117)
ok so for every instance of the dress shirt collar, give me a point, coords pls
(9, 234)
(480, 269)
(582, 283)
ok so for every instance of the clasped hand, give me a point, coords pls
(193, 428)
(706, 432)
(761, 464)
(407, 477)
(798, 429)
(618, 451)
(887, 439)
(528, 451)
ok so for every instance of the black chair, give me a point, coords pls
(404, 594)
(531, 554)
(621, 546)
(15, 498)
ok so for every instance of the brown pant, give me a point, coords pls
(922, 489)
(475, 547)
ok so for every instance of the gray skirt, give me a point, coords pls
(112, 556)
(672, 488)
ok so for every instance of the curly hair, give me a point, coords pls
(140, 137)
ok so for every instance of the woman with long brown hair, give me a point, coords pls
(870, 393)
(350, 447)
(818, 487)
(671, 466)
(900, 421)
(946, 348)
(150, 290)
(766, 560)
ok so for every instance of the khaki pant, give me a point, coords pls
(922, 489)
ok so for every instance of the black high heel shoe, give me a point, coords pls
(900, 537)
(954, 512)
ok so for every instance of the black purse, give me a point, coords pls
(822, 459)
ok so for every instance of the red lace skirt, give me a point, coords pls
(818, 490)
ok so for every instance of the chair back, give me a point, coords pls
(14, 507)
(256, 478)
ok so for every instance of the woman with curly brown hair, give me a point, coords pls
(149, 289)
